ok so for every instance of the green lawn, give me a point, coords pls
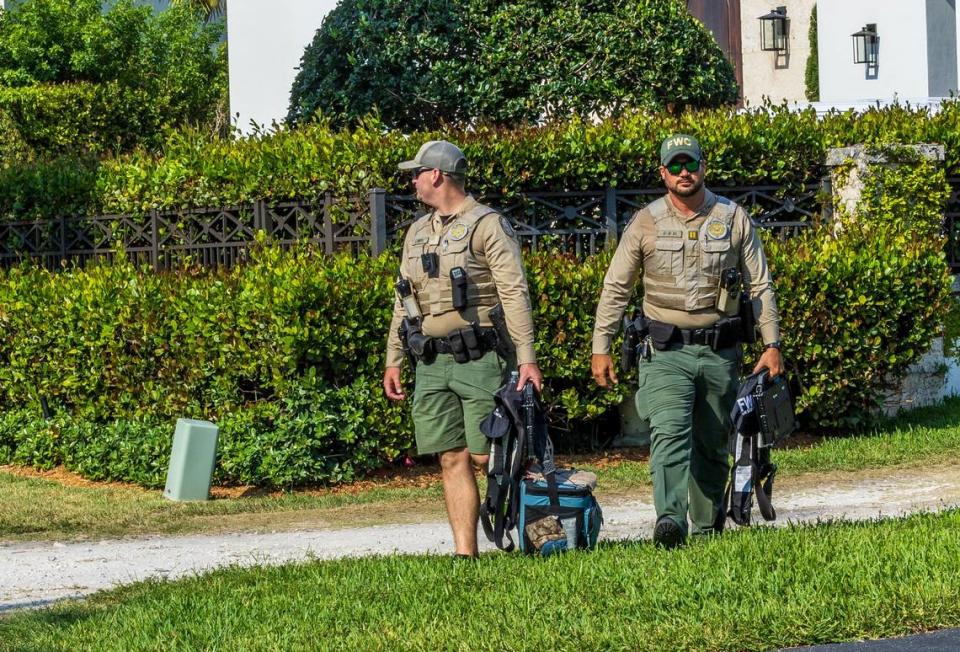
(38, 509)
(757, 589)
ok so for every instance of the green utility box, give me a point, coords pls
(191, 460)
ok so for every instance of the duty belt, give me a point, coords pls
(698, 335)
(487, 338)
(724, 334)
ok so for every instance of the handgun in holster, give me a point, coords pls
(403, 332)
(505, 346)
(748, 321)
(636, 329)
(420, 347)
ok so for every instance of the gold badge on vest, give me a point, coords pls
(458, 231)
(717, 230)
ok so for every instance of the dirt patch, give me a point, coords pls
(336, 518)
(849, 479)
(66, 478)
(418, 475)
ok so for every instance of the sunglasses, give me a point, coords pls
(676, 168)
(417, 172)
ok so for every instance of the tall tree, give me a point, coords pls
(210, 9)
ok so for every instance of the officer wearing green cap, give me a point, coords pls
(463, 314)
(689, 246)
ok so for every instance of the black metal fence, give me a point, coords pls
(951, 225)
(580, 222)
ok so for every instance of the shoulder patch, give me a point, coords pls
(507, 227)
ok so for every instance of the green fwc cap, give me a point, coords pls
(679, 144)
(438, 154)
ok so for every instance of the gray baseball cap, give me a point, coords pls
(438, 154)
(678, 144)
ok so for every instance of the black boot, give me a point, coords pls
(667, 534)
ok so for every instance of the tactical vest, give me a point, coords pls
(454, 250)
(683, 272)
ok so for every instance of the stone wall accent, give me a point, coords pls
(926, 382)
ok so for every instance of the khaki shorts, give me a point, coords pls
(451, 399)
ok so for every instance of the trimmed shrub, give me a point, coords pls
(420, 64)
(14, 149)
(285, 353)
(862, 298)
(60, 118)
(761, 147)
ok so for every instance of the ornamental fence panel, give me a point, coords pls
(951, 225)
(577, 222)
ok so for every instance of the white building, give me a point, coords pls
(913, 57)
(265, 42)
(776, 75)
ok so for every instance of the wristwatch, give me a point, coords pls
(772, 345)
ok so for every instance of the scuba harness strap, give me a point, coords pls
(517, 432)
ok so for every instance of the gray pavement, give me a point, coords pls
(945, 640)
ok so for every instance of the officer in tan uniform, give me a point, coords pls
(695, 251)
(463, 317)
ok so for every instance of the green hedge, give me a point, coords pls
(14, 149)
(286, 353)
(772, 146)
(61, 118)
(860, 305)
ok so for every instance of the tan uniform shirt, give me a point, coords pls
(488, 248)
(639, 245)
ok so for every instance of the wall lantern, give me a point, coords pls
(773, 30)
(865, 45)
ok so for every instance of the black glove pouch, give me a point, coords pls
(472, 342)
(457, 346)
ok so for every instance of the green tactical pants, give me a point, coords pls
(687, 391)
(451, 399)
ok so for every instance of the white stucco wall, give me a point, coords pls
(765, 75)
(902, 30)
(265, 42)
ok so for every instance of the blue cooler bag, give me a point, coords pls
(570, 520)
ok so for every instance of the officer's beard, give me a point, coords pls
(687, 191)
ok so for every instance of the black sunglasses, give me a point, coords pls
(676, 168)
(417, 172)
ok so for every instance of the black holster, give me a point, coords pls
(662, 334)
(748, 322)
(419, 347)
(505, 347)
(635, 331)
(729, 332)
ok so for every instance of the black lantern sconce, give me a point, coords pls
(865, 45)
(773, 31)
